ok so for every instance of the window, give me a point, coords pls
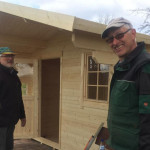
(25, 73)
(24, 89)
(97, 80)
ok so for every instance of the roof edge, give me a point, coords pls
(58, 20)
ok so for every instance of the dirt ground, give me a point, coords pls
(29, 144)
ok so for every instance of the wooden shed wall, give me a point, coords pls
(78, 122)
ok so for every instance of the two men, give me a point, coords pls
(129, 104)
(11, 104)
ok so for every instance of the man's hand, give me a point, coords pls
(23, 122)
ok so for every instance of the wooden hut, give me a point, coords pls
(65, 68)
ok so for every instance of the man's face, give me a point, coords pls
(122, 41)
(7, 60)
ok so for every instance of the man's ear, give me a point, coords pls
(133, 31)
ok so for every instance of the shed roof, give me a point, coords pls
(28, 29)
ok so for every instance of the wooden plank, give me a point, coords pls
(24, 42)
(47, 142)
(36, 98)
(104, 57)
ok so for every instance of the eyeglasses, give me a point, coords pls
(118, 37)
(8, 56)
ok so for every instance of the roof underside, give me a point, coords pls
(26, 30)
(24, 35)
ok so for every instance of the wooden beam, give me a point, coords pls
(104, 57)
(47, 142)
(89, 26)
(8, 40)
(89, 41)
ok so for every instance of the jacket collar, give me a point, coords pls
(9, 70)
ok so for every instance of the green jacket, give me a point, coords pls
(128, 104)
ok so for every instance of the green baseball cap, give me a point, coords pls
(6, 50)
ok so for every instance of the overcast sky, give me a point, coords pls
(91, 9)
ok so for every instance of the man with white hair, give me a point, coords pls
(129, 104)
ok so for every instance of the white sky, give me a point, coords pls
(91, 9)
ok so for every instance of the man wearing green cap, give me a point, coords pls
(11, 104)
(129, 104)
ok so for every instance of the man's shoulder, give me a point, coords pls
(144, 54)
(142, 61)
(143, 57)
(146, 67)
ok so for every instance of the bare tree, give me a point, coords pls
(145, 26)
(104, 18)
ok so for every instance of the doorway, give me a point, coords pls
(50, 99)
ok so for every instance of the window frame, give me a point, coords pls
(97, 86)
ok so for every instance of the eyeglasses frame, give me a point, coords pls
(117, 37)
(7, 55)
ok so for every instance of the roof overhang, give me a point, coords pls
(48, 18)
(27, 30)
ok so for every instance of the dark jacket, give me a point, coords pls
(11, 104)
(129, 109)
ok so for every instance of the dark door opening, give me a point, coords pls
(50, 99)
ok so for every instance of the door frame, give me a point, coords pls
(38, 136)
